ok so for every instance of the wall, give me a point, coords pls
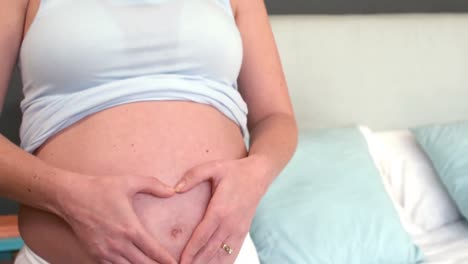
(10, 119)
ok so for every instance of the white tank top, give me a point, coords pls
(83, 56)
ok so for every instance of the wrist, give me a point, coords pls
(263, 171)
(60, 191)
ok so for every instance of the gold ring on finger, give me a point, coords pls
(227, 248)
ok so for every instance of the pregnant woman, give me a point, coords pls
(134, 119)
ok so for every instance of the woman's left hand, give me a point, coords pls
(237, 187)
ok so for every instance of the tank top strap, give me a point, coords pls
(44, 5)
(227, 6)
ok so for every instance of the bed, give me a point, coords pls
(386, 73)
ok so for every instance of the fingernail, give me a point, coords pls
(179, 186)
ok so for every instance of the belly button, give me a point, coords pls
(176, 232)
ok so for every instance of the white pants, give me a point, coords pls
(247, 255)
(27, 256)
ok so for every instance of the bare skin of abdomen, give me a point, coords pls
(162, 139)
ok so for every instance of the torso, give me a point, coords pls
(159, 139)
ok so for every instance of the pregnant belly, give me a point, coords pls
(158, 139)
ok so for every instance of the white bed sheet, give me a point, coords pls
(248, 253)
(423, 205)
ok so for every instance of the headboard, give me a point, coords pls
(365, 6)
(385, 71)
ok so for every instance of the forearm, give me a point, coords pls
(27, 179)
(273, 141)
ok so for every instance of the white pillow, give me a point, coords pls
(419, 196)
(425, 208)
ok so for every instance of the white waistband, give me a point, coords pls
(247, 255)
(27, 256)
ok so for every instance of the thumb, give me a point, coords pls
(197, 175)
(151, 185)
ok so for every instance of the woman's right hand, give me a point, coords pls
(100, 212)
